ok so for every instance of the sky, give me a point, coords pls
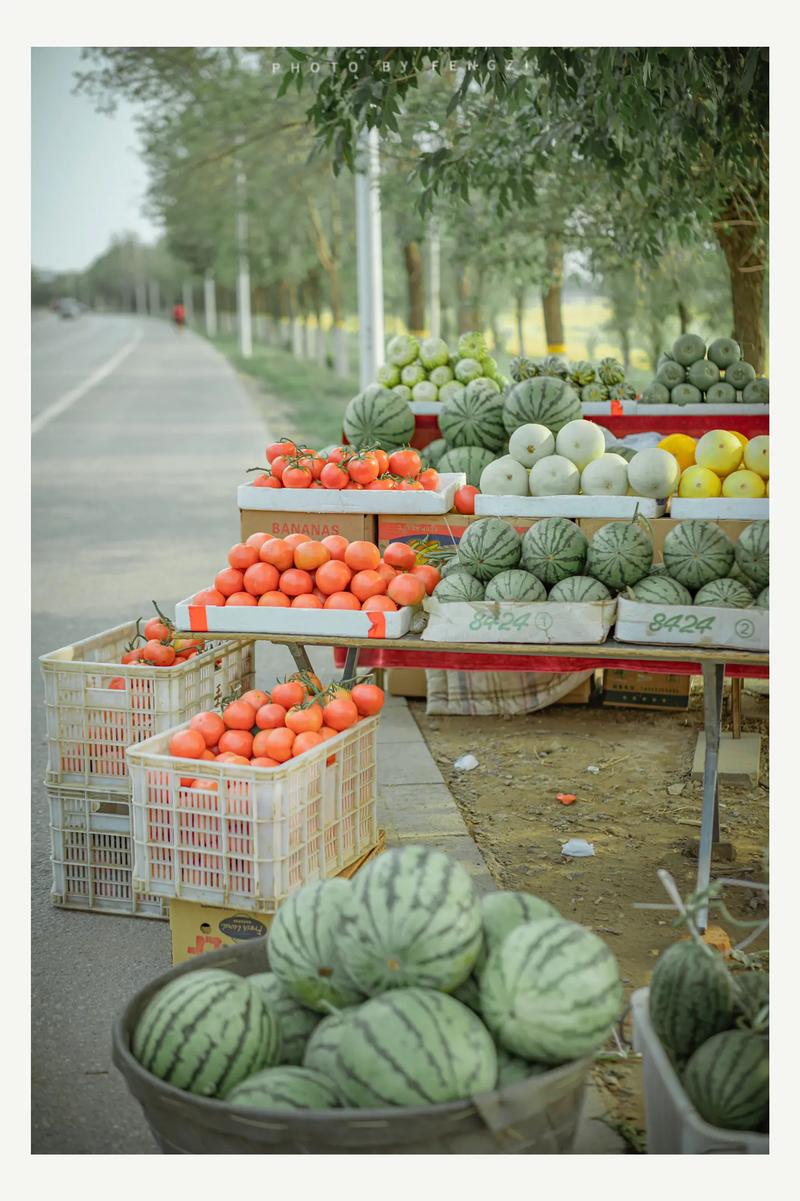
(87, 179)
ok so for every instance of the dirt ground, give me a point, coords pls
(641, 811)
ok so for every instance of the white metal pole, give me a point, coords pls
(434, 252)
(369, 257)
(154, 297)
(210, 303)
(243, 281)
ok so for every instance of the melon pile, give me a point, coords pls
(714, 1025)
(426, 370)
(721, 463)
(606, 381)
(692, 373)
(400, 988)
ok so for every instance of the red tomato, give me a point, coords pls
(228, 581)
(383, 460)
(209, 596)
(327, 732)
(278, 744)
(307, 600)
(270, 717)
(267, 481)
(362, 556)
(301, 719)
(278, 552)
(263, 761)
(158, 654)
(367, 583)
(336, 544)
(261, 578)
(255, 697)
(135, 655)
(464, 500)
(342, 600)
(406, 589)
(311, 555)
(355, 487)
(333, 475)
(340, 714)
(239, 716)
(279, 465)
(258, 540)
(210, 725)
(429, 575)
(294, 540)
(404, 462)
(316, 484)
(288, 694)
(400, 556)
(368, 699)
(410, 485)
(429, 479)
(208, 754)
(305, 742)
(321, 596)
(157, 630)
(297, 476)
(334, 576)
(275, 600)
(242, 556)
(364, 469)
(187, 744)
(340, 454)
(280, 448)
(385, 571)
(379, 603)
(242, 598)
(295, 582)
(238, 742)
(381, 485)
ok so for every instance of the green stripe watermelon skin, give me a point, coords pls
(206, 1031)
(469, 993)
(691, 997)
(295, 1020)
(661, 589)
(379, 417)
(474, 419)
(762, 600)
(303, 948)
(412, 918)
(697, 552)
(727, 1080)
(414, 1046)
(620, 554)
(579, 589)
(488, 547)
(470, 459)
(458, 585)
(724, 594)
(285, 1088)
(511, 1069)
(553, 549)
(551, 991)
(322, 1047)
(542, 401)
(502, 912)
(752, 552)
(515, 586)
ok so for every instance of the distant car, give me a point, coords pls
(68, 307)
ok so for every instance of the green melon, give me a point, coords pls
(412, 918)
(458, 585)
(515, 585)
(488, 547)
(752, 552)
(736, 573)
(502, 912)
(551, 991)
(581, 374)
(434, 451)
(620, 554)
(688, 348)
(553, 549)
(594, 393)
(323, 1045)
(414, 1046)
(285, 1088)
(469, 993)
(751, 998)
(469, 459)
(697, 552)
(611, 372)
(691, 997)
(476, 418)
(762, 600)
(686, 394)
(727, 1080)
(661, 589)
(703, 375)
(545, 400)
(756, 392)
(303, 949)
(740, 374)
(511, 1068)
(448, 566)
(205, 1031)
(721, 394)
(579, 589)
(656, 393)
(670, 374)
(724, 351)
(377, 417)
(295, 1021)
(724, 594)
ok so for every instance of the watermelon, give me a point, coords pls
(703, 374)
(542, 401)
(551, 991)
(579, 589)
(433, 452)
(414, 1046)
(721, 394)
(323, 1045)
(469, 993)
(724, 351)
(511, 1069)
(469, 459)
(688, 348)
(458, 585)
(285, 1088)
(752, 552)
(656, 392)
(515, 585)
(751, 996)
(295, 1021)
(502, 912)
(686, 394)
(450, 390)
(756, 392)
(670, 374)
(303, 948)
(740, 374)
(691, 997)
(205, 1031)
(661, 589)
(736, 573)
(762, 600)
(378, 417)
(724, 594)
(488, 547)
(553, 549)
(620, 554)
(697, 552)
(727, 1080)
(476, 418)
(412, 918)
(448, 566)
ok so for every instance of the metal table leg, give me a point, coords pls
(300, 656)
(350, 664)
(713, 677)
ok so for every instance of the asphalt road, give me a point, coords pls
(140, 437)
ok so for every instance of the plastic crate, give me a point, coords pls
(257, 833)
(90, 724)
(674, 1127)
(92, 854)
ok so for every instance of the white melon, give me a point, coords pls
(530, 443)
(554, 476)
(606, 476)
(504, 477)
(580, 442)
(654, 473)
(756, 455)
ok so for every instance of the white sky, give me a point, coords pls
(87, 179)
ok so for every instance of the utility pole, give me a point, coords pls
(243, 280)
(435, 283)
(154, 298)
(369, 257)
(210, 303)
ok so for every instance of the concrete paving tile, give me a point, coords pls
(408, 762)
(397, 725)
(593, 1136)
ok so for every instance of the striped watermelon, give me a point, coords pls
(724, 594)
(697, 552)
(458, 585)
(620, 554)
(323, 1045)
(502, 912)
(736, 573)
(727, 1080)
(691, 997)
(545, 400)
(448, 566)
(303, 948)
(762, 600)
(411, 918)
(295, 1021)
(551, 991)
(476, 418)
(511, 1069)
(378, 417)
(414, 1046)
(752, 552)
(553, 549)
(469, 459)
(751, 998)
(515, 585)
(469, 993)
(579, 589)
(661, 589)
(488, 547)
(433, 452)
(206, 1031)
(285, 1088)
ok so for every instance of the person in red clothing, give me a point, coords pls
(179, 315)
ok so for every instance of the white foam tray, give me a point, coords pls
(537, 622)
(602, 408)
(329, 500)
(568, 506)
(264, 619)
(708, 410)
(425, 408)
(716, 507)
(692, 625)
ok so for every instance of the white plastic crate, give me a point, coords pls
(90, 723)
(258, 833)
(674, 1127)
(92, 854)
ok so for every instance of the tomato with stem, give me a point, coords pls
(288, 694)
(363, 468)
(296, 476)
(405, 462)
(334, 475)
(429, 479)
(284, 447)
(301, 718)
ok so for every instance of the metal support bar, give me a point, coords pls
(350, 664)
(736, 706)
(713, 678)
(300, 656)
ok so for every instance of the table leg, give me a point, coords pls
(736, 707)
(350, 664)
(713, 677)
(300, 656)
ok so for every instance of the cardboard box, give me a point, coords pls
(407, 681)
(446, 530)
(645, 690)
(356, 527)
(660, 527)
(536, 622)
(692, 625)
(581, 695)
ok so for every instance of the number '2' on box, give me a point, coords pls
(692, 625)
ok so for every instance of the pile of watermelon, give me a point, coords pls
(606, 381)
(714, 1025)
(692, 373)
(400, 988)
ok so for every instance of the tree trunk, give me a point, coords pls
(416, 290)
(684, 316)
(742, 253)
(520, 310)
(625, 339)
(497, 333)
(551, 297)
(469, 316)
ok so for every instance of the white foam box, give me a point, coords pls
(692, 625)
(265, 619)
(568, 506)
(331, 500)
(715, 508)
(602, 408)
(707, 410)
(425, 408)
(537, 622)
